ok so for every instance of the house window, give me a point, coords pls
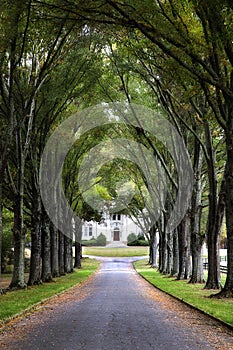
(85, 231)
(90, 231)
(116, 217)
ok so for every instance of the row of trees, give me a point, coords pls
(175, 57)
(44, 68)
(188, 61)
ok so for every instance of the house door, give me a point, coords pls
(116, 234)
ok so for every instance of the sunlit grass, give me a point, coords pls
(14, 302)
(193, 294)
(116, 252)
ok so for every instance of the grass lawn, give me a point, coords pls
(193, 294)
(15, 302)
(116, 252)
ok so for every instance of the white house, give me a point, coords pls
(115, 227)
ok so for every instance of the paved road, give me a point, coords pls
(116, 310)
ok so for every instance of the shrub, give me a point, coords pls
(143, 242)
(101, 240)
(138, 242)
(93, 242)
(90, 243)
(131, 238)
(141, 237)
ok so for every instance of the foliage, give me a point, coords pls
(101, 240)
(139, 242)
(131, 237)
(174, 56)
(7, 240)
(89, 243)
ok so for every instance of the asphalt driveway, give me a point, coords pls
(115, 310)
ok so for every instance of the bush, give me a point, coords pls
(101, 240)
(93, 242)
(141, 237)
(90, 243)
(138, 242)
(143, 242)
(131, 238)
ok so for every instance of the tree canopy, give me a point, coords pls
(175, 57)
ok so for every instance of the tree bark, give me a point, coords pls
(213, 280)
(197, 239)
(227, 290)
(46, 250)
(78, 247)
(153, 247)
(175, 254)
(154, 250)
(18, 278)
(182, 239)
(68, 255)
(78, 255)
(163, 244)
(35, 263)
(61, 254)
(169, 253)
(54, 251)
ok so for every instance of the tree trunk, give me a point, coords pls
(213, 280)
(197, 239)
(78, 246)
(35, 263)
(18, 278)
(187, 255)
(68, 255)
(78, 255)
(163, 247)
(46, 250)
(61, 254)
(197, 275)
(169, 253)
(182, 239)
(154, 251)
(160, 251)
(163, 244)
(227, 291)
(153, 247)
(54, 251)
(175, 254)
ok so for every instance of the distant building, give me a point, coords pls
(115, 227)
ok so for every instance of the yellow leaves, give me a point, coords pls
(103, 192)
(216, 133)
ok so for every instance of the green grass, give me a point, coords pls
(116, 252)
(193, 294)
(15, 302)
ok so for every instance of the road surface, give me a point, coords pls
(115, 310)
